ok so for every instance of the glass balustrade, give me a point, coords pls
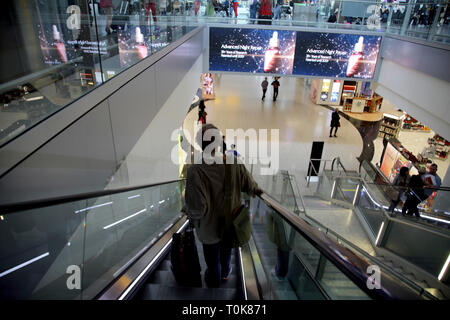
(74, 250)
(297, 270)
(54, 53)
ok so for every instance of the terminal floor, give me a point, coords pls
(238, 104)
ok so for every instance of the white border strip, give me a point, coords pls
(133, 284)
(444, 268)
(243, 275)
(379, 233)
(20, 266)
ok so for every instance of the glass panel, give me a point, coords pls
(338, 286)
(338, 193)
(272, 237)
(292, 263)
(59, 52)
(347, 188)
(51, 60)
(324, 187)
(121, 231)
(73, 251)
(38, 248)
(372, 213)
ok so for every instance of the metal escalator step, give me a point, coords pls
(150, 292)
(162, 292)
(422, 283)
(166, 277)
(164, 265)
(287, 295)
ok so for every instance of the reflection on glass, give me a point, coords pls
(73, 251)
(59, 52)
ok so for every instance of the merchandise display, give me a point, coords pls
(438, 147)
(409, 123)
(390, 126)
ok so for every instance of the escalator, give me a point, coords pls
(115, 245)
(409, 249)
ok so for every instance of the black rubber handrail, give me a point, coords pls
(41, 203)
(351, 265)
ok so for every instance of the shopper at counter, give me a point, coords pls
(431, 180)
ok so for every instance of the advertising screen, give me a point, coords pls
(207, 86)
(393, 160)
(251, 50)
(336, 55)
(289, 52)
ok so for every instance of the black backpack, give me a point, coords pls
(184, 259)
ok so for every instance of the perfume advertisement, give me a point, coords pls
(54, 48)
(336, 55)
(133, 45)
(393, 160)
(207, 86)
(330, 55)
(251, 50)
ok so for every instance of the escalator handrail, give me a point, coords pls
(40, 203)
(339, 163)
(353, 266)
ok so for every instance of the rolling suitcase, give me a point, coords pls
(185, 263)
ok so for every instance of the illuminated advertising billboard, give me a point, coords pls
(393, 160)
(251, 50)
(331, 55)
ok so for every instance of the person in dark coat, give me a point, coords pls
(201, 110)
(334, 122)
(414, 196)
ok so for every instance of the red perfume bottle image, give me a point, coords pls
(355, 60)
(140, 46)
(59, 45)
(272, 58)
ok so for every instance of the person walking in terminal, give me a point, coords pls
(401, 180)
(224, 145)
(206, 186)
(235, 6)
(264, 86)
(334, 122)
(276, 85)
(201, 110)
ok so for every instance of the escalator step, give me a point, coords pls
(162, 292)
(166, 277)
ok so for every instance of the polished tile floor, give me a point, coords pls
(238, 104)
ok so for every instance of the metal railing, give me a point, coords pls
(351, 265)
